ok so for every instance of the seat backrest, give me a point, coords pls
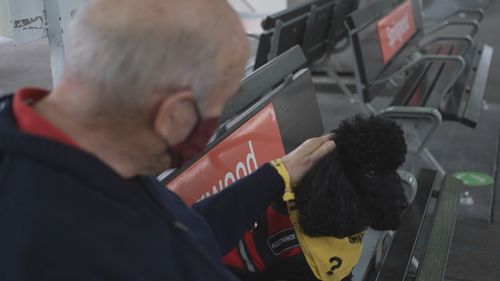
(272, 126)
(382, 33)
(338, 31)
(262, 81)
(306, 24)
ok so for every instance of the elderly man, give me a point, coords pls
(143, 85)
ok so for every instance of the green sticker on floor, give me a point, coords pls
(471, 178)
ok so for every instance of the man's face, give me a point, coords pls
(192, 129)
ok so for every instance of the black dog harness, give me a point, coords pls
(266, 244)
(273, 244)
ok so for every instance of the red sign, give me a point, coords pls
(395, 30)
(255, 143)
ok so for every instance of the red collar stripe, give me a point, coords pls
(31, 122)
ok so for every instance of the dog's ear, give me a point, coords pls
(327, 201)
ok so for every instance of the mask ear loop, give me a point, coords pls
(197, 111)
(169, 150)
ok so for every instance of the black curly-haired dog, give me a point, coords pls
(354, 187)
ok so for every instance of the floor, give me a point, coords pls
(475, 252)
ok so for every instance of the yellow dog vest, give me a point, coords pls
(329, 258)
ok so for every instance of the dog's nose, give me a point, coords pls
(401, 205)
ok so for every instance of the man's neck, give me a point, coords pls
(109, 143)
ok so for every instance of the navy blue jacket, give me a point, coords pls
(65, 215)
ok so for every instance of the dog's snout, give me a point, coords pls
(402, 205)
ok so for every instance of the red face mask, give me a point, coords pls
(195, 142)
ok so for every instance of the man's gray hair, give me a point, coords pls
(125, 66)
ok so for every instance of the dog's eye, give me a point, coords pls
(370, 173)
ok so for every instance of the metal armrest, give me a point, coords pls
(446, 23)
(423, 58)
(466, 39)
(410, 184)
(430, 116)
(370, 254)
(419, 124)
(480, 12)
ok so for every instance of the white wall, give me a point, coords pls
(28, 18)
(260, 6)
(5, 29)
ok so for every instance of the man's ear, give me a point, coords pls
(175, 116)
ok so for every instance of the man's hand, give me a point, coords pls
(301, 159)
